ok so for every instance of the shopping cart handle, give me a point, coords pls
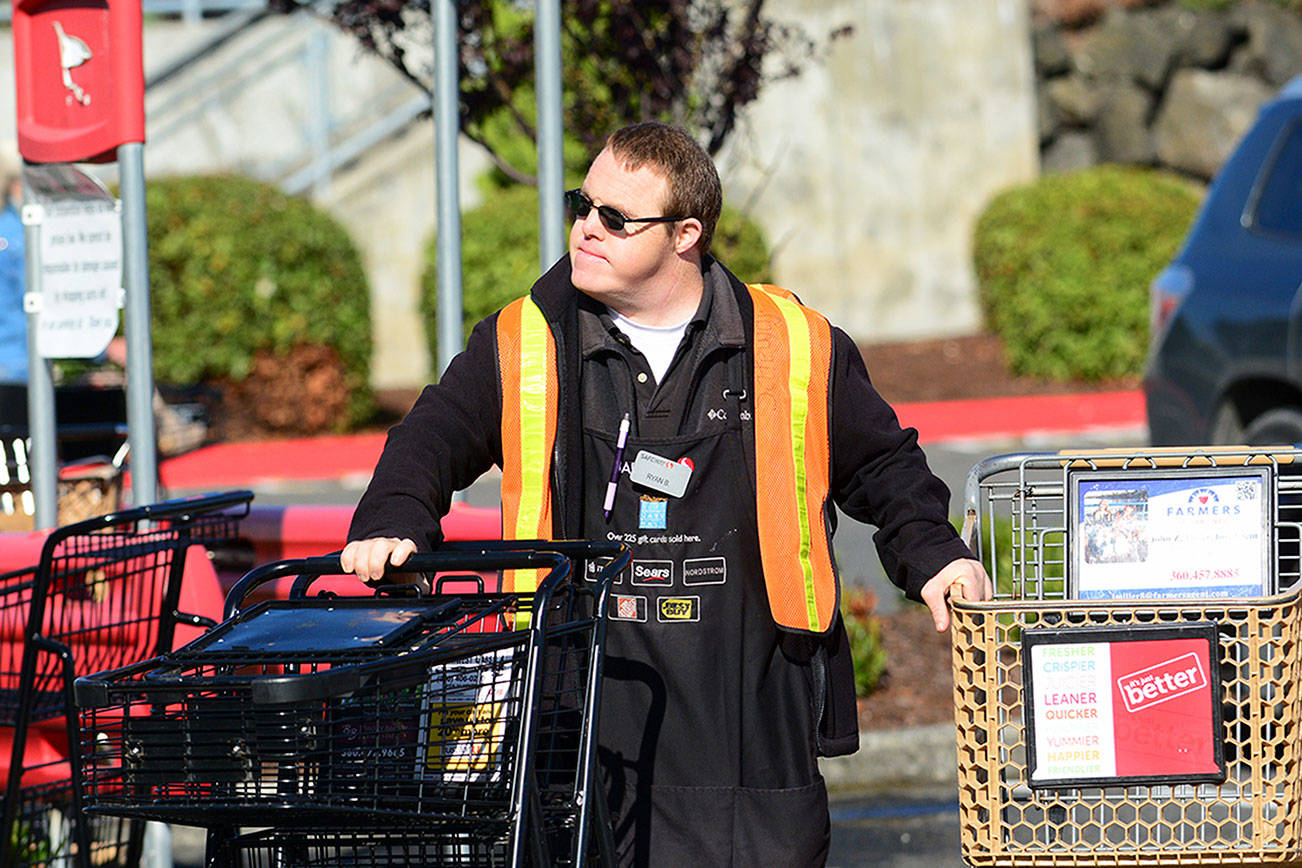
(423, 562)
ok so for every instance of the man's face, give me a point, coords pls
(609, 265)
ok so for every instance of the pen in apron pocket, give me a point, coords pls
(614, 471)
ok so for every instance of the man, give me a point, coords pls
(741, 415)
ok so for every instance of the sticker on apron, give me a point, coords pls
(593, 568)
(705, 571)
(653, 513)
(628, 608)
(653, 573)
(671, 610)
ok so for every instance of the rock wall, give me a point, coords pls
(1159, 85)
(868, 171)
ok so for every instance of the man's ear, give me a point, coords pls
(687, 233)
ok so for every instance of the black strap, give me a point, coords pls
(740, 403)
(838, 720)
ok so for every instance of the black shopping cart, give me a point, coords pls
(437, 729)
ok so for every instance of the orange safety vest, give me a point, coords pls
(792, 382)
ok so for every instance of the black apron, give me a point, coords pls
(706, 745)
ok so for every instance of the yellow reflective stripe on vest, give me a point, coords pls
(792, 379)
(537, 409)
(526, 355)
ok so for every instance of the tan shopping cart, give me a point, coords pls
(1029, 518)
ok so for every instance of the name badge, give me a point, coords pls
(660, 474)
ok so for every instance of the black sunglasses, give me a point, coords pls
(580, 206)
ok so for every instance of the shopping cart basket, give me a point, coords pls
(105, 592)
(1039, 798)
(462, 724)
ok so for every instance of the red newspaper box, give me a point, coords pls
(80, 78)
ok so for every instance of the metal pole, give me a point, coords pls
(43, 459)
(316, 61)
(446, 127)
(551, 168)
(140, 351)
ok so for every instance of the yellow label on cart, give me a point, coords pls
(466, 706)
(464, 738)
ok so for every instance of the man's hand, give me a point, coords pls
(369, 558)
(963, 578)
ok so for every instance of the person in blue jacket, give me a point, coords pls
(13, 320)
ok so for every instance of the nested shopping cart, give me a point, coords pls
(1092, 552)
(450, 728)
(103, 592)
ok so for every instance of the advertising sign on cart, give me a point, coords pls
(1135, 705)
(1197, 533)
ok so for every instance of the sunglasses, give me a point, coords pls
(580, 206)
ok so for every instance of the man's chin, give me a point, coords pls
(586, 282)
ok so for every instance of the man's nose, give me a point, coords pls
(592, 225)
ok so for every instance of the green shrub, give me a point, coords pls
(238, 269)
(1064, 265)
(864, 631)
(499, 256)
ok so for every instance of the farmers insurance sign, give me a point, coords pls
(1136, 705)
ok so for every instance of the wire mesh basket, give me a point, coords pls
(1020, 515)
(436, 716)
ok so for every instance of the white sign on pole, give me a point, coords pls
(81, 278)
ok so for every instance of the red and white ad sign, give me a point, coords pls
(80, 78)
(1138, 705)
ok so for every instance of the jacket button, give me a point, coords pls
(641, 378)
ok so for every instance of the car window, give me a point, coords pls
(1279, 208)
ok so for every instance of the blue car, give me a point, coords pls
(1225, 364)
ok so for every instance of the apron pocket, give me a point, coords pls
(778, 827)
(740, 826)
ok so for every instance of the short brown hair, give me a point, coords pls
(694, 188)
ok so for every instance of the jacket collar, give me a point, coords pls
(719, 313)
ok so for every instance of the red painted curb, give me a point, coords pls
(987, 418)
(233, 465)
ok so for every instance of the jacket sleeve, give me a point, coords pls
(880, 477)
(450, 437)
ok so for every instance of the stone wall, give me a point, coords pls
(1159, 85)
(869, 170)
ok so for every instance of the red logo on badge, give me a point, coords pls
(688, 462)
